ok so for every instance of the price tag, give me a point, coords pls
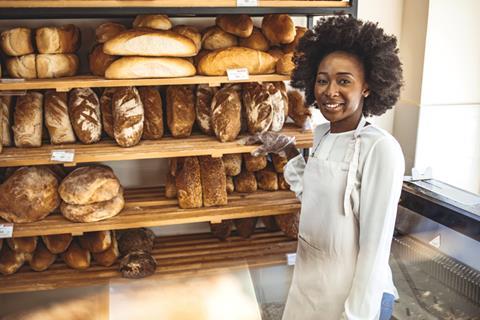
(237, 74)
(6, 230)
(291, 257)
(63, 155)
(247, 3)
(12, 80)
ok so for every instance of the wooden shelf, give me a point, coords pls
(177, 256)
(167, 147)
(68, 83)
(148, 207)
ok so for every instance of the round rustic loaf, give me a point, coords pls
(215, 38)
(41, 259)
(108, 257)
(154, 21)
(245, 182)
(10, 261)
(240, 25)
(137, 264)
(57, 243)
(96, 241)
(190, 32)
(232, 163)
(278, 28)
(108, 30)
(76, 257)
(139, 239)
(255, 41)
(221, 230)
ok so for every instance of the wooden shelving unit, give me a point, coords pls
(176, 256)
(167, 147)
(148, 207)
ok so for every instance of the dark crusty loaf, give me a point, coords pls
(85, 117)
(258, 107)
(245, 182)
(76, 257)
(279, 162)
(188, 183)
(99, 61)
(23, 244)
(57, 119)
(232, 163)
(106, 110)
(108, 257)
(41, 259)
(28, 120)
(221, 230)
(270, 223)
(253, 163)
(267, 179)
(213, 177)
(139, 239)
(137, 264)
(180, 110)
(57, 243)
(107, 31)
(226, 113)
(203, 107)
(96, 241)
(289, 223)
(297, 110)
(246, 226)
(128, 116)
(240, 25)
(152, 108)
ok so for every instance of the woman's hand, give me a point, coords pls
(271, 142)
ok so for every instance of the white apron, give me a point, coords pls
(328, 238)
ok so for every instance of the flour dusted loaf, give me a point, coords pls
(246, 226)
(149, 67)
(23, 244)
(213, 179)
(98, 61)
(240, 25)
(255, 41)
(232, 163)
(41, 259)
(253, 163)
(97, 241)
(63, 39)
(56, 65)
(106, 110)
(180, 110)
(215, 38)
(221, 230)
(57, 243)
(76, 257)
(152, 108)
(93, 212)
(203, 107)
(279, 102)
(258, 107)
(107, 31)
(245, 182)
(278, 28)
(16, 42)
(139, 239)
(137, 264)
(109, 256)
(10, 261)
(190, 32)
(153, 21)
(57, 119)
(29, 195)
(84, 109)
(217, 62)
(226, 113)
(87, 185)
(188, 183)
(22, 67)
(128, 116)
(28, 120)
(151, 43)
(6, 103)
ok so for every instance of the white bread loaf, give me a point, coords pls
(190, 32)
(153, 21)
(278, 28)
(28, 120)
(155, 43)
(63, 39)
(215, 38)
(22, 67)
(57, 119)
(56, 65)
(217, 62)
(152, 107)
(240, 25)
(84, 109)
(147, 67)
(128, 116)
(16, 42)
(98, 61)
(6, 103)
(108, 30)
(255, 41)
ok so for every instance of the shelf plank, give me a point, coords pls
(167, 147)
(176, 256)
(88, 81)
(164, 3)
(148, 207)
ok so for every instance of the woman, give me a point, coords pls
(350, 186)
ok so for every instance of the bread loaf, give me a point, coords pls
(148, 67)
(276, 53)
(96, 241)
(217, 62)
(232, 163)
(252, 163)
(269, 223)
(245, 182)
(170, 189)
(77, 258)
(87, 185)
(246, 226)
(84, 108)
(6, 103)
(215, 38)
(57, 119)
(214, 189)
(106, 110)
(139, 239)
(258, 107)
(279, 102)
(152, 108)
(22, 67)
(255, 41)
(289, 223)
(278, 28)
(297, 110)
(282, 183)
(1, 131)
(128, 116)
(191, 33)
(28, 120)
(226, 114)
(10, 261)
(153, 21)
(57, 243)
(93, 212)
(180, 110)
(56, 65)
(188, 183)
(64, 39)
(98, 61)
(16, 41)
(203, 107)
(109, 256)
(279, 162)
(137, 264)
(240, 25)
(267, 179)
(200, 55)
(153, 43)
(41, 259)
(23, 244)
(229, 184)
(108, 30)
(221, 230)
(285, 64)
(291, 47)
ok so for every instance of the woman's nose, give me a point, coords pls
(332, 89)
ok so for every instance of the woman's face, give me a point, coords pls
(340, 89)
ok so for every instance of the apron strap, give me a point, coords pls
(352, 168)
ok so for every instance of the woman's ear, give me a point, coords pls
(365, 92)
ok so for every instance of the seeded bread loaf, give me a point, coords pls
(213, 179)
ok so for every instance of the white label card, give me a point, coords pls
(436, 242)
(63, 155)
(247, 3)
(237, 74)
(6, 230)
(291, 258)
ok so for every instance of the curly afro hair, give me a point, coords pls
(377, 51)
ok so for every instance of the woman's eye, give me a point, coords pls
(322, 81)
(343, 81)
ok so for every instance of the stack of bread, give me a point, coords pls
(91, 194)
(99, 61)
(151, 50)
(56, 46)
(136, 246)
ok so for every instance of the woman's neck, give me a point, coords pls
(348, 124)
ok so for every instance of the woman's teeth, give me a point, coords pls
(331, 106)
